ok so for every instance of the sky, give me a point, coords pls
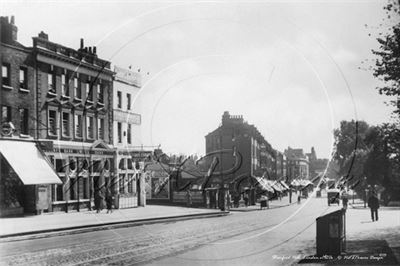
(291, 68)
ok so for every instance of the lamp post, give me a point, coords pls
(366, 195)
(221, 198)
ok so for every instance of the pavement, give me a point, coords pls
(367, 242)
(76, 222)
(276, 203)
(276, 236)
(59, 223)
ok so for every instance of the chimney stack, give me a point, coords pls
(43, 35)
(82, 43)
(8, 30)
(90, 49)
(94, 50)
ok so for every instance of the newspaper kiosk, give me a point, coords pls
(331, 233)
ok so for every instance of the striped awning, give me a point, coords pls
(263, 183)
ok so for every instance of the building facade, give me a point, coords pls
(297, 164)
(74, 113)
(130, 159)
(317, 165)
(17, 92)
(26, 177)
(235, 136)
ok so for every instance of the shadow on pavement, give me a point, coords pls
(358, 252)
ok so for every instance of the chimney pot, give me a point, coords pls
(90, 49)
(94, 49)
(43, 35)
(82, 43)
(12, 20)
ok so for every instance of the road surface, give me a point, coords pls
(256, 237)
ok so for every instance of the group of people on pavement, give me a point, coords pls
(373, 204)
(99, 199)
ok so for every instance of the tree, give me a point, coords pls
(387, 65)
(350, 147)
(369, 155)
(382, 166)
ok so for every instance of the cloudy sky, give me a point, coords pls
(290, 68)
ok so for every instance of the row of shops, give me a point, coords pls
(47, 176)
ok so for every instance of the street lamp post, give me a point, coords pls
(366, 195)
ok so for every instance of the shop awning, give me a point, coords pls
(264, 184)
(284, 185)
(28, 162)
(295, 183)
(275, 185)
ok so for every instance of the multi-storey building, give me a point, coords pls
(25, 175)
(317, 166)
(235, 136)
(297, 164)
(61, 100)
(281, 166)
(127, 139)
(74, 113)
(17, 92)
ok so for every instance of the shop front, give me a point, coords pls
(26, 178)
(131, 178)
(86, 171)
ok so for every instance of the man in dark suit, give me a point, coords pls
(373, 204)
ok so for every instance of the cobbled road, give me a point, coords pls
(148, 243)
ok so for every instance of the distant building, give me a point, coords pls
(235, 136)
(297, 164)
(281, 171)
(317, 166)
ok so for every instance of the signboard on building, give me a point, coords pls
(127, 117)
(127, 76)
(137, 156)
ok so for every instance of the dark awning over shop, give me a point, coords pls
(28, 162)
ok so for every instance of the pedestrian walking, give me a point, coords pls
(188, 198)
(345, 201)
(98, 200)
(109, 201)
(373, 204)
(246, 199)
(298, 198)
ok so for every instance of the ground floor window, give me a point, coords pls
(130, 183)
(121, 184)
(71, 188)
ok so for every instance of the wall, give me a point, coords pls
(16, 57)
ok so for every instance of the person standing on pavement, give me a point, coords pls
(373, 204)
(109, 201)
(188, 198)
(246, 198)
(345, 200)
(98, 200)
